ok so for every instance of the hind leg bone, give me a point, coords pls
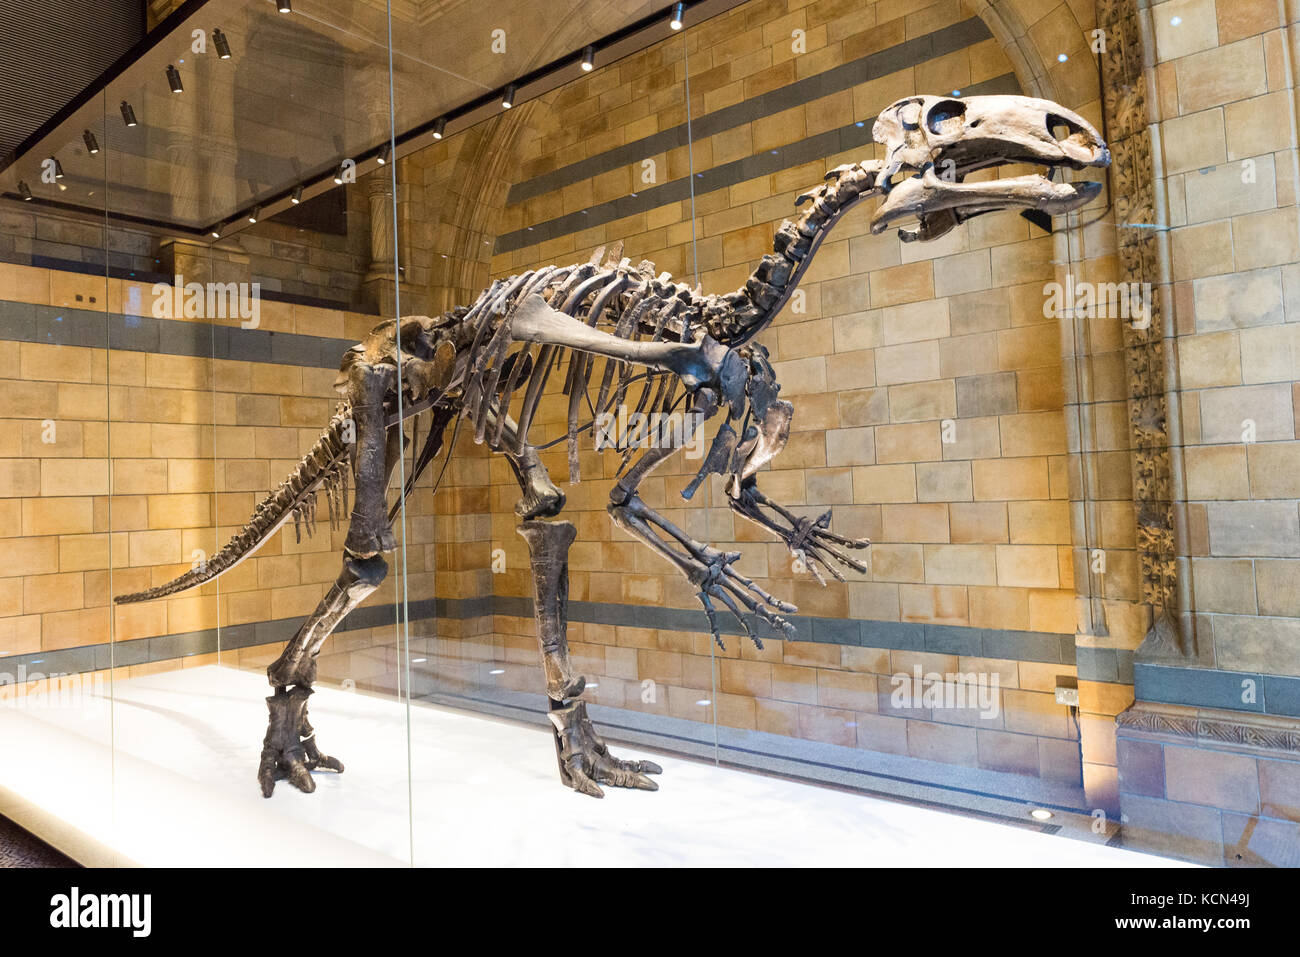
(289, 749)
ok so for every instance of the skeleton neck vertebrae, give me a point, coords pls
(627, 345)
(738, 317)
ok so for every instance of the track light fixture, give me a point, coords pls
(174, 79)
(440, 128)
(128, 114)
(92, 144)
(508, 99)
(256, 212)
(58, 167)
(385, 154)
(216, 231)
(283, 6)
(589, 59)
(296, 196)
(338, 175)
(24, 191)
(222, 44)
(678, 10)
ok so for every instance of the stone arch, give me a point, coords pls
(1033, 39)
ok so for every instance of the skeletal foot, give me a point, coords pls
(585, 761)
(289, 750)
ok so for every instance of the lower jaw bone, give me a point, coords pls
(925, 195)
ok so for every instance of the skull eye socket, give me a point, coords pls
(1062, 129)
(946, 117)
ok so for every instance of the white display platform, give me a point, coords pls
(180, 790)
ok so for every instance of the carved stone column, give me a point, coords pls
(1140, 224)
(383, 246)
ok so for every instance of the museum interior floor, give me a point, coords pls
(166, 777)
(20, 848)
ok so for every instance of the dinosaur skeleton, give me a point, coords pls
(633, 336)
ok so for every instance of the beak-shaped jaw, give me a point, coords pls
(932, 144)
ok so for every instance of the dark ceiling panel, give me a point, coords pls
(51, 51)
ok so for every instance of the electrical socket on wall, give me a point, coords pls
(1067, 690)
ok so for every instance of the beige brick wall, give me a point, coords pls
(153, 457)
(1224, 87)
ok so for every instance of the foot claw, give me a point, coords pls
(289, 751)
(585, 761)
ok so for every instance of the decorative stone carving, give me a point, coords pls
(1133, 190)
(1268, 732)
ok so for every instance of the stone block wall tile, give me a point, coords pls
(1211, 778)
(1141, 767)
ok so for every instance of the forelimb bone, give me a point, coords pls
(809, 540)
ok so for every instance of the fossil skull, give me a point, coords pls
(932, 143)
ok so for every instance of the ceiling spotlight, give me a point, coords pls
(676, 22)
(338, 175)
(92, 144)
(252, 216)
(283, 6)
(296, 196)
(589, 59)
(385, 155)
(222, 44)
(1040, 814)
(58, 167)
(508, 98)
(216, 232)
(440, 128)
(24, 191)
(128, 114)
(174, 79)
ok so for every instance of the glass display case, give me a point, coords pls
(425, 419)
